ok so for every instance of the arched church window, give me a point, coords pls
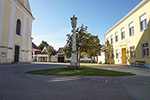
(18, 27)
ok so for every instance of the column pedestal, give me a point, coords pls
(74, 62)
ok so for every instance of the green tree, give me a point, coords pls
(81, 35)
(93, 48)
(50, 51)
(81, 41)
(44, 43)
(109, 51)
(67, 51)
(86, 44)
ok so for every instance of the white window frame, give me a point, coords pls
(117, 52)
(108, 41)
(123, 33)
(131, 29)
(132, 50)
(111, 39)
(143, 22)
(147, 52)
(112, 54)
(108, 55)
(116, 36)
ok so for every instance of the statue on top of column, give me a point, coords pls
(74, 21)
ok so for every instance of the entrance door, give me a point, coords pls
(60, 59)
(124, 56)
(16, 59)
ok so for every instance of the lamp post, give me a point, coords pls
(74, 62)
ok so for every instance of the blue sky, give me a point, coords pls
(52, 17)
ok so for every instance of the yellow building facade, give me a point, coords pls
(15, 31)
(129, 39)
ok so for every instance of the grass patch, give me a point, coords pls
(84, 72)
(89, 64)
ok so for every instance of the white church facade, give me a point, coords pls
(15, 31)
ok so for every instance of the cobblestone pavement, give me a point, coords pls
(119, 80)
(125, 68)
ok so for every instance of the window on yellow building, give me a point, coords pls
(112, 55)
(108, 41)
(132, 52)
(131, 29)
(18, 27)
(145, 50)
(111, 39)
(117, 54)
(116, 36)
(122, 33)
(143, 22)
(108, 54)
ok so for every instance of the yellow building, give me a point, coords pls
(15, 31)
(129, 39)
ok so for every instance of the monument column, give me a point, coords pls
(74, 62)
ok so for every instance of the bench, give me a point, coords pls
(139, 63)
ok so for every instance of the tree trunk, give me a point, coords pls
(79, 57)
(49, 58)
(91, 61)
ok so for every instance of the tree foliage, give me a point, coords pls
(86, 44)
(81, 38)
(94, 46)
(67, 51)
(109, 51)
(43, 44)
(51, 50)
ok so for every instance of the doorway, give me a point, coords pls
(124, 56)
(60, 59)
(16, 57)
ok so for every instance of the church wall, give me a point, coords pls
(8, 37)
(27, 39)
(5, 30)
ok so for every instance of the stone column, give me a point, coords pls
(74, 61)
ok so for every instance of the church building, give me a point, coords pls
(15, 31)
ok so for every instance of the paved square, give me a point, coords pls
(15, 84)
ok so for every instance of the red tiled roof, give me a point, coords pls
(39, 52)
(103, 49)
(35, 47)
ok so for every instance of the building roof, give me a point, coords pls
(60, 50)
(35, 47)
(39, 52)
(45, 49)
(103, 48)
(143, 2)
